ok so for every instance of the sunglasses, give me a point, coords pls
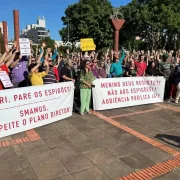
(94, 62)
(50, 61)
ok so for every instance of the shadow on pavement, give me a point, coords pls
(172, 140)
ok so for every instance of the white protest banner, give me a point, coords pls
(123, 92)
(25, 49)
(22, 109)
(5, 79)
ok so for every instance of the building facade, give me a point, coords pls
(36, 32)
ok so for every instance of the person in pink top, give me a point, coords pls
(141, 66)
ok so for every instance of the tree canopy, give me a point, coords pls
(155, 22)
(88, 19)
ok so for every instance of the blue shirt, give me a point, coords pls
(53, 56)
(116, 67)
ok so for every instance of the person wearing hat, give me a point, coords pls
(116, 67)
(86, 83)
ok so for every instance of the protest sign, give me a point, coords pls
(22, 109)
(25, 49)
(123, 92)
(87, 44)
(5, 79)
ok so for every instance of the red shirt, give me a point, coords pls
(141, 67)
(3, 68)
(56, 73)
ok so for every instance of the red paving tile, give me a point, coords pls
(158, 169)
(172, 108)
(137, 134)
(135, 113)
(31, 136)
(155, 171)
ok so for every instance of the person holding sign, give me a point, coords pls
(4, 71)
(86, 83)
(19, 71)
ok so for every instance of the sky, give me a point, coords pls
(29, 10)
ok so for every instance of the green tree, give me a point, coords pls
(157, 22)
(88, 19)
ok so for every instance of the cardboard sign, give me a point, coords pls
(87, 44)
(25, 49)
(5, 79)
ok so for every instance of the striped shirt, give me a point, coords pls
(50, 77)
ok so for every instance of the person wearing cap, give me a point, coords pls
(86, 82)
(116, 67)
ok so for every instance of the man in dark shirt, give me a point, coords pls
(67, 72)
(165, 70)
(177, 82)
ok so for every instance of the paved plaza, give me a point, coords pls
(134, 143)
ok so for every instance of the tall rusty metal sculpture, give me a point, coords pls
(117, 25)
(16, 25)
(5, 34)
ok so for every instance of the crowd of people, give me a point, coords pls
(82, 69)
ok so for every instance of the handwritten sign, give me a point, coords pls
(87, 44)
(5, 79)
(25, 49)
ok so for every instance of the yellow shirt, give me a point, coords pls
(36, 78)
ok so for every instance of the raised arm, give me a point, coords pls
(112, 68)
(40, 56)
(35, 68)
(43, 45)
(122, 57)
(9, 62)
(3, 57)
(15, 62)
(55, 52)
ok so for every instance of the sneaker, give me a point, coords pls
(89, 112)
(170, 99)
(176, 102)
(82, 114)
